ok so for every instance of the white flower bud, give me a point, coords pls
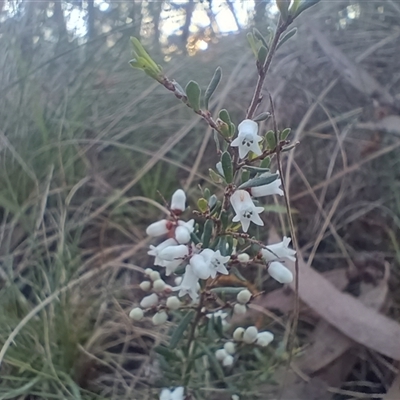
(264, 338)
(149, 301)
(158, 228)
(136, 314)
(182, 235)
(238, 334)
(239, 309)
(243, 257)
(280, 273)
(148, 271)
(250, 334)
(244, 296)
(173, 303)
(230, 347)
(178, 201)
(235, 397)
(171, 253)
(158, 285)
(145, 286)
(154, 275)
(159, 318)
(228, 361)
(178, 280)
(221, 354)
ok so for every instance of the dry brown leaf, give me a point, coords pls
(348, 314)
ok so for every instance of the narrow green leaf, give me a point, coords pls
(212, 86)
(227, 290)
(262, 117)
(224, 219)
(271, 140)
(245, 175)
(227, 166)
(261, 180)
(207, 232)
(167, 353)
(258, 35)
(193, 93)
(222, 246)
(262, 55)
(180, 329)
(304, 5)
(21, 391)
(285, 133)
(216, 366)
(195, 238)
(252, 43)
(229, 242)
(286, 37)
(255, 169)
(216, 140)
(236, 272)
(141, 52)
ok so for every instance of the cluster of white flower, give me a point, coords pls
(225, 355)
(251, 335)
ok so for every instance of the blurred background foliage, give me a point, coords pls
(86, 144)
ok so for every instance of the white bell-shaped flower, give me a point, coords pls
(159, 228)
(279, 250)
(245, 209)
(248, 138)
(178, 201)
(183, 231)
(268, 190)
(189, 284)
(279, 272)
(175, 394)
(200, 266)
(172, 257)
(216, 262)
(156, 250)
(264, 338)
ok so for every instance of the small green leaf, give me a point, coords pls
(232, 129)
(227, 166)
(262, 55)
(222, 246)
(290, 147)
(266, 163)
(207, 232)
(202, 204)
(207, 193)
(262, 117)
(283, 6)
(286, 37)
(193, 93)
(304, 5)
(167, 353)
(212, 86)
(261, 180)
(195, 238)
(285, 133)
(227, 290)
(224, 220)
(257, 34)
(245, 175)
(229, 242)
(141, 52)
(255, 169)
(212, 201)
(214, 176)
(252, 43)
(224, 115)
(180, 329)
(271, 140)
